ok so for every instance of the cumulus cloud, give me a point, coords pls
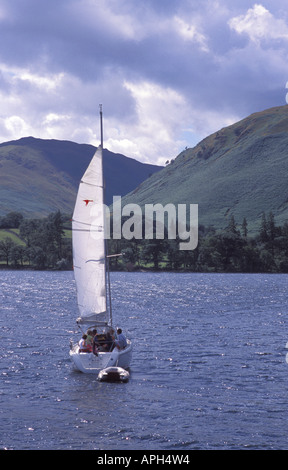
(155, 126)
(190, 32)
(168, 73)
(259, 24)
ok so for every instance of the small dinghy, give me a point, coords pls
(113, 374)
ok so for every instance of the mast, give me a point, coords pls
(101, 126)
(108, 287)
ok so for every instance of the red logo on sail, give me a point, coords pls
(87, 201)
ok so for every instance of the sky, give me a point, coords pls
(167, 72)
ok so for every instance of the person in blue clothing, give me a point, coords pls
(120, 342)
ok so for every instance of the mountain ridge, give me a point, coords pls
(240, 170)
(39, 176)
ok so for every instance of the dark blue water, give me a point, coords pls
(208, 369)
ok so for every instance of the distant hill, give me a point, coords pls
(241, 170)
(41, 176)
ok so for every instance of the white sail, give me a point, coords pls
(88, 236)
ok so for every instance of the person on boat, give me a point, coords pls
(109, 340)
(95, 346)
(83, 347)
(89, 340)
(94, 333)
(120, 342)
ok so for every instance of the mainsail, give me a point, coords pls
(88, 236)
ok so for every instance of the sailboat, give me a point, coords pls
(91, 272)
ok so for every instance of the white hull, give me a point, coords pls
(88, 363)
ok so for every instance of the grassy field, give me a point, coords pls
(12, 233)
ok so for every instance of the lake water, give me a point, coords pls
(208, 369)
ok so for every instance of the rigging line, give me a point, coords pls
(91, 184)
(102, 259)
(88, 224)
(94, 260)
(82, 223)
(87, 230)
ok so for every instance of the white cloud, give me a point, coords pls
(52, 107)
(167, 73)
(45, 82)
(190, 32)
(153, 136)
(258, 23)
(15, 125)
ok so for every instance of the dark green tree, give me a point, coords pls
(6, 247)
(153, 250)
(244, 228)
(11, 220)
(263, 229)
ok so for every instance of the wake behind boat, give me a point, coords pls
(91, 271)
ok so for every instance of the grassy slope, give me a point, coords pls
(41, 176)
(29, 181)
(240, 170)
(13, 234)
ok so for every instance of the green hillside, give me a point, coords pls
(241, 170)
(38, 176)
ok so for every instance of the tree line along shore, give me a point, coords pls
(46, 243)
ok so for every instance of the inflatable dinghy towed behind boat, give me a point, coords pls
(113, 374)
